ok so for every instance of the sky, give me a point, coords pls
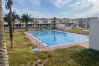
(56, 8)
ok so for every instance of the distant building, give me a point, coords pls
(61, 23)
(82, 23)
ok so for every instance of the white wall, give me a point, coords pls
(94, 35)
(60, 26)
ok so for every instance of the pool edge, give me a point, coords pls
(45, 48)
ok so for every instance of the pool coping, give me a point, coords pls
(44, 47)
(39, 40)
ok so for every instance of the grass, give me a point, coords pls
(74, 57)
(22, 54)
(78, 31)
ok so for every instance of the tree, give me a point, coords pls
(6, 19)
(9, 7)
(26, 18)
(3, 49)
(14, 17)
(54, 22)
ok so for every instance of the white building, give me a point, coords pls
(61, 23)
(94, 34)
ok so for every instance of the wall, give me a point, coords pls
(94, 34)
(60, 26)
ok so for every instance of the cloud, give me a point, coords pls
(80, 4)
(33, 13)
(90, 13)
(35, 2)
(61, 3)
(94, 2)
(26, 6)
(32, 8)
(58, 8)
(63, 13)
(25, 2)
(95, 9)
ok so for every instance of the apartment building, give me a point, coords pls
(60, 23)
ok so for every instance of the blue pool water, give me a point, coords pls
(54, 38)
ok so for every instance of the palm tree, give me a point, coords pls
(54, 22)
(54, 27)
(9, 7)
(26, 18)
(6, 19)
(3, 49)
(14, 17)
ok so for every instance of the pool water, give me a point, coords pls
(54, 38)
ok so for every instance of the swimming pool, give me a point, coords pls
(56, 38)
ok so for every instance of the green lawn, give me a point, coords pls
(22, 54)
(77, 30)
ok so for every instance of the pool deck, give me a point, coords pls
(44, 48)
(80, 44)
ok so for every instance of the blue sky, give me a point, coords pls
(56, 8)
